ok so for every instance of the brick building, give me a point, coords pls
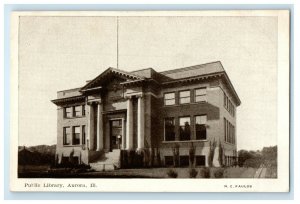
(182, 117)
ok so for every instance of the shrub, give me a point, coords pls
(146, 158)
(176, 155)
(124, 159)
(253, 162)
(131, 156)
(204, 173)
(221, 154)
(192, 155)
(219, 173)
(193, 173)
(172, 174)
(138, 159)
(158, 158)
(211, 155)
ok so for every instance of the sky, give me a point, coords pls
(58, 53)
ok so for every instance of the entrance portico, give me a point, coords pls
(120, 130)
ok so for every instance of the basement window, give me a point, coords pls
(184, 161)
(200, 160)
(169, 161)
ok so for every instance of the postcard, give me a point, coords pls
(150, 101)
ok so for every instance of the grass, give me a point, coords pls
(30, 171)
(271, 172)
(239, 172)
(33, 168)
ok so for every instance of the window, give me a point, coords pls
(233, 135)
(184, 161)
(68, 112)
(200, 124)
(83, 134)
(200, 160)
(229, 132)
(169, 129)
(184, 97)
(227, 102)
(169, 99)
(77, 111)
(229, 105)
(67, 136)
(76, 135)
(168, 161)
(116, 123)
(200, 95)
(83, 110)
(225, 129)
(185, 128)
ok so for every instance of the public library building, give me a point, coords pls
(160, 116)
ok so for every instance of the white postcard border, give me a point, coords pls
(281, 184)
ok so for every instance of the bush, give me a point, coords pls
(193, 173)
(192, 155)
(131, 158)
(172, 174)
(138, 160)
(219, 173)
(254, 163)
(204, 173)
(176, 155)
(124, 159)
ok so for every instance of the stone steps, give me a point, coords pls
(109, 162)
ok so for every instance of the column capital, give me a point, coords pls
(141, 95)
(92, 102)
(128, 97)
(137, 95)
(99, 102)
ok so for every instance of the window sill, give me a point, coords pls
(79, 145)
(184, 141)
(75, 117)
(229, 143)
(183, 104)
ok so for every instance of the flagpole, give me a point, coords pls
(117, 42)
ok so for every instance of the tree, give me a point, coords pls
(211, 155)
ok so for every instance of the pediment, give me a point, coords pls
(110, 78)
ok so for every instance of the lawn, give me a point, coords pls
(239, 172)
(41, 172)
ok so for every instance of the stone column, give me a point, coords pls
(100, 135)
(90, 127)
(129, 125)
(141, 124)
(123, 134)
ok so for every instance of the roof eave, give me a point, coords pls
(113, 70)
(187, 79)
(59, 101)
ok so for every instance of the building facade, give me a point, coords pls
(178, 117)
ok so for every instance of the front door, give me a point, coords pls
(115, 134)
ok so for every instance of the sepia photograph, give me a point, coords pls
(157, 100)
